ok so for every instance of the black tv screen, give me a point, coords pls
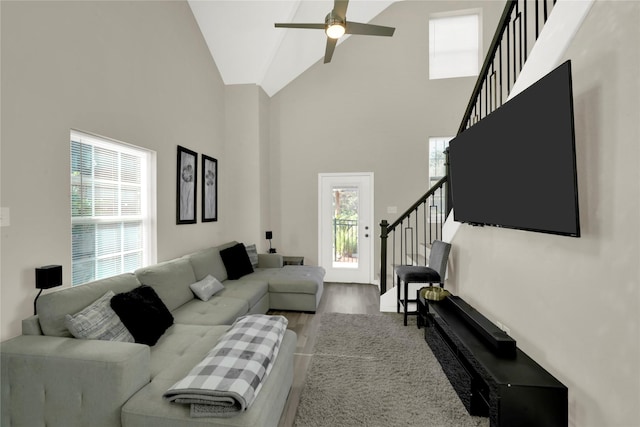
(516, 167)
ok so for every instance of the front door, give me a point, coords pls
(345, 228)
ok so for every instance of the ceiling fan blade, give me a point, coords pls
(304, 26)
(368, 29)
(328, 52)
(340, 8)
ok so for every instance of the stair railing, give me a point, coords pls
(516, 34)
(414, 231)
(422, 224)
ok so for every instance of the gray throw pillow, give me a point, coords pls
(206, 288)
(253, 255)
(98, 321)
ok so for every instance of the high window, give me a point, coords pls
(454, 44)
(112, 207)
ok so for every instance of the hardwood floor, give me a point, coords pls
(337, 298)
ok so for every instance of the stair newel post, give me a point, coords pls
(448, 200)
(384, 233)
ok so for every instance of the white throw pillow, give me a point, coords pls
(98, 321)
(206, 288)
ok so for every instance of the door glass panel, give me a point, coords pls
(345, 227)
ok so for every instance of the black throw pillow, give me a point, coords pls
(143, 313)
(236, 261)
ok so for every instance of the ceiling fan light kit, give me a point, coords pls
(336, 25)
(335, 31)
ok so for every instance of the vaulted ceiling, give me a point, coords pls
(248, 49)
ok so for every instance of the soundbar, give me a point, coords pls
(501, 344)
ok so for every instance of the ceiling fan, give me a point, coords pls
(336, 25)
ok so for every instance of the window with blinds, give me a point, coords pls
(437, 170)
(112, 207)
(454, 44)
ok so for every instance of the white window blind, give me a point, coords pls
(112, 207)
(454, 45)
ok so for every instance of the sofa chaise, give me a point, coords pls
(48, 377)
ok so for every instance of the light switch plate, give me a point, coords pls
(5, 219)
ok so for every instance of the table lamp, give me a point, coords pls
(47, 277)
(269, 236)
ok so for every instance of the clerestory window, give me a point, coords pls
(454, 44)
(112, 207)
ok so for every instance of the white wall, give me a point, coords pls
(372, 108)
(135, 71)
(265, 170)
(574, 304)
(247, 166)
(243, 148)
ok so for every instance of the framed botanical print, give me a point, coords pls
(209, 189)
(187, 179)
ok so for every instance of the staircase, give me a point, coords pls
(407, 240)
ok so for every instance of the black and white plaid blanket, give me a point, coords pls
(229, 378)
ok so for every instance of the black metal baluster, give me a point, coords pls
(537, 19)
(508, 64)
(486, 97)
(416, 233)
(430, 224)
(526, 30)
(517, 66)
(513, 28)
(439, 222)
(495, 90)
(517, 23)
(427, 223)
(500, 69)
(479, 104)
(402, 257)
(408, 258)
(394, 262)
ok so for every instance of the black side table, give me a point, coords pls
(293, 260)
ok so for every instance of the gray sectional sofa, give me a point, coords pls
(50, 378)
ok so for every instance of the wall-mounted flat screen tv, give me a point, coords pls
(516, 168)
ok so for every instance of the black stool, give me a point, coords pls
(417, 274)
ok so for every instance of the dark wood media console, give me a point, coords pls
(490, 374)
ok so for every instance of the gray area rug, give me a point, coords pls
(370, 370)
